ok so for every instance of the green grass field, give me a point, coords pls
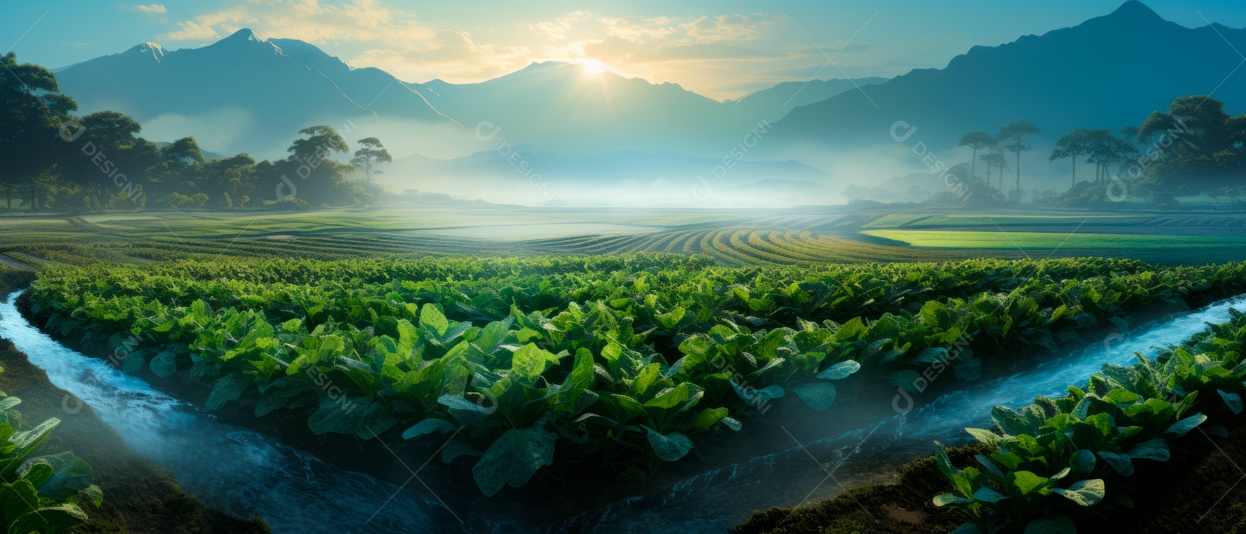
(1003, 239)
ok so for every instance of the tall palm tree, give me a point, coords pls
(1071, 145)
(1012, 137)
(976, 140)
(995, 158)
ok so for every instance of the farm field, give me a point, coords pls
(1053, 241)
(741, 237)
(593, 335)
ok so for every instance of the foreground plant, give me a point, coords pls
(1058, 459)
(45, 490)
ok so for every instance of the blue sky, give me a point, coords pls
(719, 48)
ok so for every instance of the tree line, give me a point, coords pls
(1194, 147)
(54, 160)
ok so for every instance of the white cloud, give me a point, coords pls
(148, 8)
(449, 55)
(702, 52)
(311, 21)
(735, 27)
(202, 27)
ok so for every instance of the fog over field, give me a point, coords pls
(300, 266)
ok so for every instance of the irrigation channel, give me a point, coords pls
(247, 473)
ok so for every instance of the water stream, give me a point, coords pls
(229, 467)
(235, 469)
(814, 468)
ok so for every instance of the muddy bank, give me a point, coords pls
(904, 506)
(1197, 490)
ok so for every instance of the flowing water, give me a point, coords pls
(251, 474)
(230, 468)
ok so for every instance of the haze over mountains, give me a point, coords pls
(1108, 72)
(267, 89)
(575, 125)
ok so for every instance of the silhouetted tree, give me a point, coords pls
(1012, 137)
(995, 158)
(32, 112)
(1070, 145)
(976, 141)
(371, 153)
(1197, 146)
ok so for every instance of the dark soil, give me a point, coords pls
(903, 507)
(1202, 489)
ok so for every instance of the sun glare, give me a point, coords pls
(593, 66)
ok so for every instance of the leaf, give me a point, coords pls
(1083, 463)
(132, 362)
(459, 403)
(986, 494)
(530, 361)
(757, 397)
(1009, 421)
(1153, 449)
(818, 395)
(944, 499)
(164, 364)
(945, 463)
(985, 436)
(669, 447)
(670, 397)
(670, 319)
(58, 518)
(1026, 482)
(427, 426)
(1182, 427)
(707, 418)
(840, 370)
(18, 499)
(431, 317)
(1119, 462)
(58, 476)
(8, 403)
(226, 389)
(1083, 492)
(341, 416)
(990, 466)
(512, 460)
(1232, 400)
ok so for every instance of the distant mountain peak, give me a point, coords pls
(245, 34)
(245, 39)
(148, 49)
(1134, 10)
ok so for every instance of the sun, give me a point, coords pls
(593, 66)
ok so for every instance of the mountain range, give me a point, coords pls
(268, 89)
(1108, 72)
(245, 93)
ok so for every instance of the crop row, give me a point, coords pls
(619, 358)
(1058, 460)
